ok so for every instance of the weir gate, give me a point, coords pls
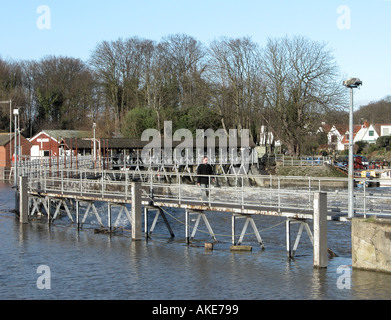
(74, 193)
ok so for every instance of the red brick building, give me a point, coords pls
(47, 142)
(7, 148)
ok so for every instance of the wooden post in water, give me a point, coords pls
(136, 211)
(23, 201)
(320, 230)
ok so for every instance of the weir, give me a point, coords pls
(132, 196)
(78, 192)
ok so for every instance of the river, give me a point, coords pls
(50, 262)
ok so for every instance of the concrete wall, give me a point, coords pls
(371, 244)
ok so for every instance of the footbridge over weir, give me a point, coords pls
(55, 192)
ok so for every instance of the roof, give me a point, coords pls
(5, 138)
(113, 143)
(59, 134)
(82, 143)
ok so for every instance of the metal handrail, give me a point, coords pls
(231, 189)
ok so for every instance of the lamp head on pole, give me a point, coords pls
(352, 83)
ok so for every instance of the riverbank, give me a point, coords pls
(315, 171)
(330, 176)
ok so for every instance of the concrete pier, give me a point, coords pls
(371, 243)
(23, 201)
(320, 230)
(136, 213)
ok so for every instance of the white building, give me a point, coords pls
(367, 133)
(338, 135)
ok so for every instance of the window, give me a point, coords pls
(371, 133)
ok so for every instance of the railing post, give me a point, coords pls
(62, 182)
(187, 226)
(288, 238)
(126, 184)
(103, 186)
(233, 218)
(279, 195)
(365, 199)
(320, 230)
(179, 188)
(81, 182)
(242, 194)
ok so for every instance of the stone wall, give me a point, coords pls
(371, 244)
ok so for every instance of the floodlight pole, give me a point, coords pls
(351, 83)
(16, 114)
(351, 162)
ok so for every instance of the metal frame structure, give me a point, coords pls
(245, 194)
(242, 196)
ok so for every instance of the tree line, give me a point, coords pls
(128, 85)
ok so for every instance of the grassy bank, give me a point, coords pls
(321, 171)
(380, 155)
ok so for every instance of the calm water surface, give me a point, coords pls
(86, 265)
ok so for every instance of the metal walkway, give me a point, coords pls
(296, 199)
(244, 194)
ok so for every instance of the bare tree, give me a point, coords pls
(302, 83)
(11, 88)
(236, 78)
(183, 57)
(175, 77)
(375, 112)
(123, 69)
(62, 92)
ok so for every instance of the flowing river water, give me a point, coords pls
(84, 265)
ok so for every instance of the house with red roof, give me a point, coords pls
(338, 135)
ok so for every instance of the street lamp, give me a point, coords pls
(351, 83)
(16, 114)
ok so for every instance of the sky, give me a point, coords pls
(357, 31)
